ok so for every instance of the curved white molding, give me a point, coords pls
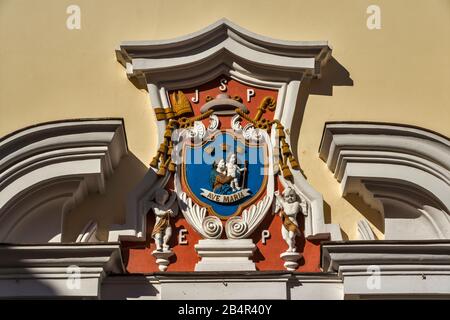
(88, 234)
(241, 227)
(365, 232)
(209, 227)
(225, 49)
(403, 172)
(214, 123)
(135, 225)
(47, 169)
(198, 131)
(212, 227)
(223, 38)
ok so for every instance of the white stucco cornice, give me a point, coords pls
(336, 255)
(226, 285)
(54, 164)
(402, 171)
(399, 269)
(224, 42)
(57, 270)
(338, 137)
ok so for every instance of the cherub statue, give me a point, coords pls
(164, 209)
(234, 171)
(289, 206)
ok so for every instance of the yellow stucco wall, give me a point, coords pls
(400, 73)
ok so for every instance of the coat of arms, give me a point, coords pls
(230, 176)
(228, 104)
(224, 158)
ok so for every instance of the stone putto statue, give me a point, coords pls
(164, 209)
(289, 206)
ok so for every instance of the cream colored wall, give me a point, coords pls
(400, 73)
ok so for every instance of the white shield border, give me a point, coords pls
(237, 227)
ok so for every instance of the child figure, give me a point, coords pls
(162, 230)
(234, 171)
(290, 208)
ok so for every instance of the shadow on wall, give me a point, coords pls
(333, 74)
(28, 286)
(327, 219)
(373, 216)
(137, 287)
(108, 208)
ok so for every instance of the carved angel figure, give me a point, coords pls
(164, 208)
(288, 206)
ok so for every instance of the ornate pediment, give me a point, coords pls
(225, 101)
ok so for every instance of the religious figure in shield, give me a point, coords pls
(234, 171)
(225, 176)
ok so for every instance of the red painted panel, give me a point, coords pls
(267, 257)
(234, 88)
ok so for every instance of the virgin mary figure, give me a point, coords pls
(219, 180)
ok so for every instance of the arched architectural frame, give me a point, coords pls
(48, 169)
(402, 171)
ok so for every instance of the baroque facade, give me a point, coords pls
(234, 200)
